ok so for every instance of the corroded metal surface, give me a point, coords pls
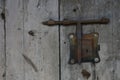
(83, 47)
(89, 48)
(72, 22)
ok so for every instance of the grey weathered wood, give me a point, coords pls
(73, 10)
(2, 45)
(81, 9)
(116, 39)
(29, 43)
(105, 69)
(41, 43)
(14, 40)
(67, 71)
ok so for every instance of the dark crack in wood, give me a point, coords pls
(29, 61)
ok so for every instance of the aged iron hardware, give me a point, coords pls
(83, 47)
(73, 22)
(87, 51)
(85, 74)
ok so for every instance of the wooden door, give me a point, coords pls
(108, 68)
(2, 41)
(30, 50)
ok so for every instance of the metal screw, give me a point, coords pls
(71, 36)
(96, 59)
(95, 35)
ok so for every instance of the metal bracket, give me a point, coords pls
(83, 47)
(87, 52)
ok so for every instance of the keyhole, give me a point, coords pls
(86, 50)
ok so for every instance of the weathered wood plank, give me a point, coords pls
(73, 10)
(116, 39)
(26, 35)
(2, 43)
(90, 9)
(14, 40)
(41, 42)
(68, 72)
(105, 69)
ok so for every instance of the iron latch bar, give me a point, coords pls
(73, 22)
(83, 47)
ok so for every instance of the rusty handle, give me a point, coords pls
(96, 21)
(65, 22)
(71, 22)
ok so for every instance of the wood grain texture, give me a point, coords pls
(105, 69)
(90, 9)
(41, 43)
(2, 45)
(72, 10)
(25, 35)
(14, 40)
(116, 39)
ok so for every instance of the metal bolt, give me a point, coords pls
(96, 59)
(71, 36)
(72, 61)
(95, 35)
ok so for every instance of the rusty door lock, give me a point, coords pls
(86, 50)
(83, 47)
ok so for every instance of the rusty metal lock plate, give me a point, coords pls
(89, 49)
(83, 48)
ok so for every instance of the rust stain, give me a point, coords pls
(85, 73)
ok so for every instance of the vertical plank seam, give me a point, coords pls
(113, 72)
(94, 65)
(23, 36)
(59, 2)
(4, 20)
